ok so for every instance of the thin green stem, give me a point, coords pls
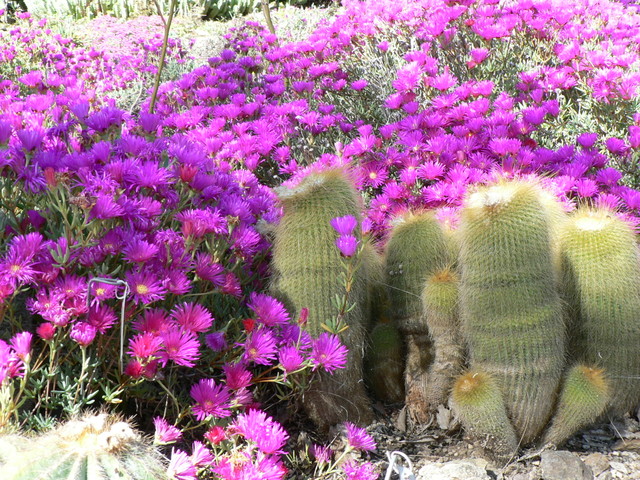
(163, 54)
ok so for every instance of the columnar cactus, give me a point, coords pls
(384, 365)
(416, 248)
(479, 402)
(92, 448)
(307, 273)
(440, 303)
(511, 312)
(602, 288)
(584, 397)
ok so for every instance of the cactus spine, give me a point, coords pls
(510, 309)
(584, 397)
(307, 273)
(477, 399)
(92, 448)
(416, 248)
(602, 287)
(440, 302)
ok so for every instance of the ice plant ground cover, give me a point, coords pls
(160, 220)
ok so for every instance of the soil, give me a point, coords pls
(611, 449)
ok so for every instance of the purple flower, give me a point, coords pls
(237, 376)
(587, 140)
(145, 287)
(145, 345)
(216, 341)
(268, 310)
(201, 456)
(359, 471)
(211, 399)
(347, 244)
(358, 438)
(327, 352)
(21, 344)
(290, 358)
(140, 251)
(344, 225)
(260, 347)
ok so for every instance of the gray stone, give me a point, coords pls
(563, 465)
(471, 469)
(598, 462)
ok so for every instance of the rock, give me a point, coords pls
(471, 469)
(598, 463)
(563, 465)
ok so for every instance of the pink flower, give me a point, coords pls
(83, 333)
(180, 346)
(192, 317)
(215, 435)
(211, 399)
(201, 455)
(165, 433)
(356, 471)
(237, 376)
(327, 352)
(144, 345)
(256, 426)
(21, 344)
(358, 438)
(181, 467)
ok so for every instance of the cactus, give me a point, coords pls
(602, 287)
(417, 247)
(478, 401)
(307, 272)
(511, 313)
(384, 363)
(98, 447)
(440, 303)
(584, 397)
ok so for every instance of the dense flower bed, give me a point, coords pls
(156, 219)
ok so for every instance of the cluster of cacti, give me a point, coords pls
(95, 447)
(308, 273)
(526, 320)
(542, 308)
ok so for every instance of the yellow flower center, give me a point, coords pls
(142, 289)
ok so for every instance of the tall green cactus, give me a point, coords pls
(307, 273)
(602, 287)
(440, 303)
(92, 448)
(384, 363)
(417, 247)
(511, 313)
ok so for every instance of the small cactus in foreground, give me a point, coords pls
(478, 401)
(511, 312)
(99, 447)
(308, 272)
(602, 289)
(584, 397)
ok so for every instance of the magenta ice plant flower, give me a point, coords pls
(328, 353)
(181, 467)
(358, 437)
(212, 400)
(268, 310)
(180, 346)
(165, 433)
(255, 425)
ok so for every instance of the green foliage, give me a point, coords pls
(384, 363)
(510, 309)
